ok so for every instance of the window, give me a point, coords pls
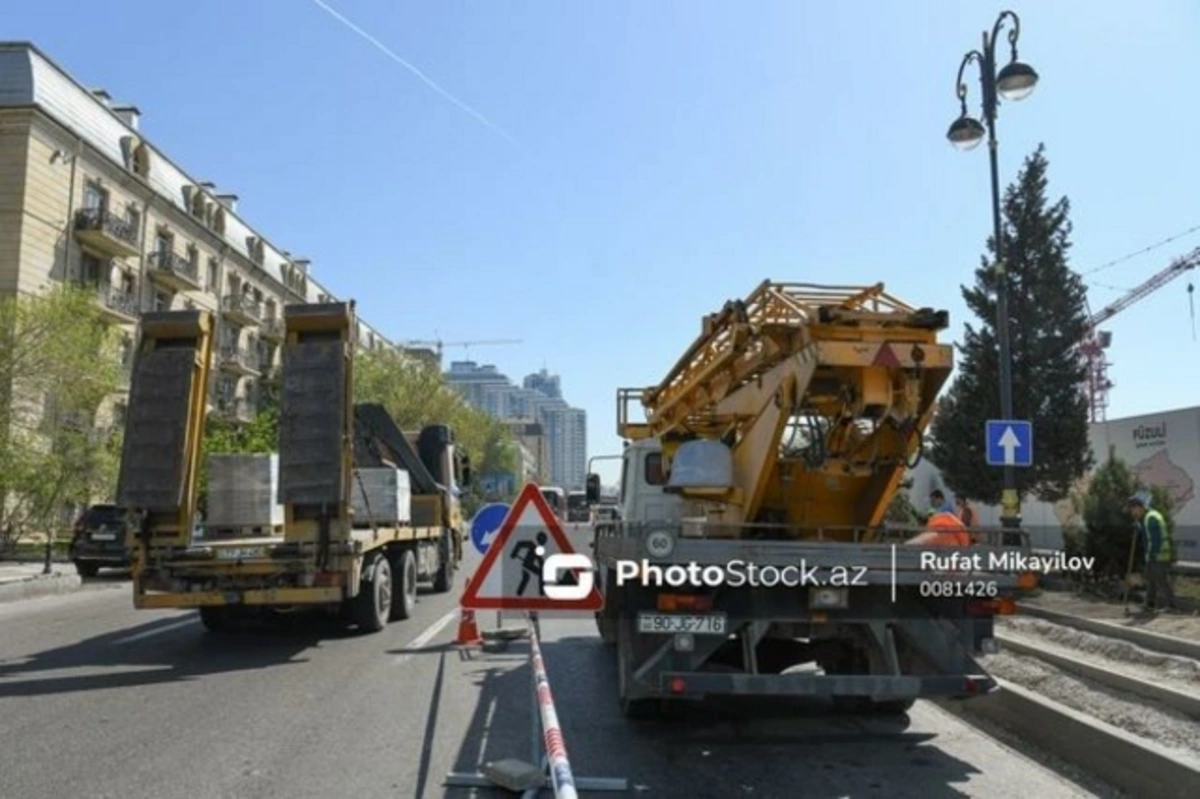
(226, 388)
(193, 256)
(219, 221)
(90, 269)
(162, 301)
(163, 244)
(141, 161)
(212, 276)
(127, 285)
(197, 204)
(95, 198)
(270, 312)
(135, 220)
(655, 475)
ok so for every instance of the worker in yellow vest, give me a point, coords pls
(1159, 548)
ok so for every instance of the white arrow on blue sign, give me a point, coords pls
(1009, 442)
(485, 524)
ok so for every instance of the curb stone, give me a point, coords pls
(38, 586)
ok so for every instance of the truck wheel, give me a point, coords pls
(87, 568)
(404, 601)
(444, 578)
(373, 605)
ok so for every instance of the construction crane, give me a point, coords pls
(438, 345)
(1097, 341)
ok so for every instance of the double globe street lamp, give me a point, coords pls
(1014, 82)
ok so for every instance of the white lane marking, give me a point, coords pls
(129, 639)
(425, 637)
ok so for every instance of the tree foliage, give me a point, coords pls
(58, 364)
(415, 393)
(1047, 320)
(1108, 529)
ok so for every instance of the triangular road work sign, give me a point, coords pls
(511, 575)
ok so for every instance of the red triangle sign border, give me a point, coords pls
(471, 600)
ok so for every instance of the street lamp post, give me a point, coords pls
(1014, 82)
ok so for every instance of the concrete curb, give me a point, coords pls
(39, 585)
(1141, 768)
(1178, 700)
(1167, 644)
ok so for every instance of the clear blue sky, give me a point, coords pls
(669, 156)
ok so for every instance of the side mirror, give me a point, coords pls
(593, 489)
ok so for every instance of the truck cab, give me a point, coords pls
(642, 498)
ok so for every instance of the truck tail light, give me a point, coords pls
(668, 603)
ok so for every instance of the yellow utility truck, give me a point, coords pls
(753, 553)
(324, 555)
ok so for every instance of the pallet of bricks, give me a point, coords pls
(243, 492)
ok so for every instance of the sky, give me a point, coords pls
(593, 178)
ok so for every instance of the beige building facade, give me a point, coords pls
(87, 198)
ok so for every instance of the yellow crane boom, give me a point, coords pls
(821, 394)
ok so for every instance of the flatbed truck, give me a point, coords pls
(324, 558)
(777, 442)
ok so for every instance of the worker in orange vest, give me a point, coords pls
(945, 529)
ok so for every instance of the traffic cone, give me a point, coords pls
(468, 630)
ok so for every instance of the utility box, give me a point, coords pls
(243, 491)
(382, 496)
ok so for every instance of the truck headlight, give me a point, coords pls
(828, 598)
(660, 544)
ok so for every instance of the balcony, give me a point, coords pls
(239, 361)
(104, 231)
(273, 329)
(173, 271)
(242, 309)
(119, 306)
(235, 409)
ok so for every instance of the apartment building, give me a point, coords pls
(86, 197)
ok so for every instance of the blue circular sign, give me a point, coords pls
(486, 522)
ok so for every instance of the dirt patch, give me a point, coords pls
(1180, 625)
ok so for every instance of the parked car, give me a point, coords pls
(99, 540)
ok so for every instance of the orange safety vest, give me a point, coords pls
(947, 531)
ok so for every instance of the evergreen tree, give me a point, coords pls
(1047, 319)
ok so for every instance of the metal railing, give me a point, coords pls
(167, 261)
(239, 303)
(102, 220)
(235, 356)
(113, 298)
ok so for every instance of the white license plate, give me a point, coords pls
(669, 623)
(104, 536)
(242, 553)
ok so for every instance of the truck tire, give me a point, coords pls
(373, 605)
(443, 579)
(404, 599)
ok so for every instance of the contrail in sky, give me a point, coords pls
(421, 75)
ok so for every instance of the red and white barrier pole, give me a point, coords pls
(556, 747)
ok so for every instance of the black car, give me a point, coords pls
(99, 540)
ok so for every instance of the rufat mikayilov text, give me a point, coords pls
(737, 574)
(1005, 562)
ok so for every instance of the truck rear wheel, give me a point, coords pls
(404, 601)
(373, 605)
(443, 579)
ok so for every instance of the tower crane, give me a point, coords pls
(1097, 341)
(439, 344)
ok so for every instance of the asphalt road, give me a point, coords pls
(100, 700)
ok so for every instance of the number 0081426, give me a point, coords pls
(670, 623)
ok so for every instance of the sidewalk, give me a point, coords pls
(26, 581)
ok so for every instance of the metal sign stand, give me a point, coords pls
(530, 779)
